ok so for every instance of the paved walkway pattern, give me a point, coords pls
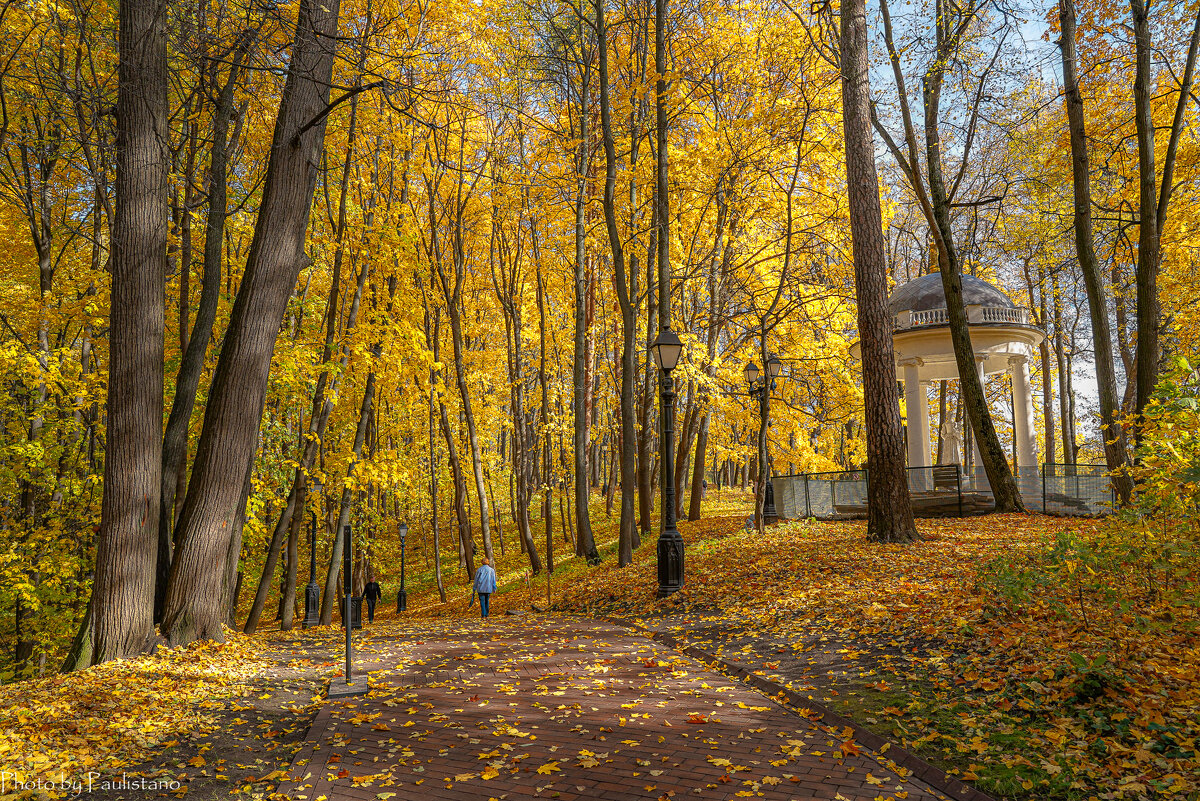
(516, 708)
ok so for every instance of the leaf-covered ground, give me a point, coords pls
(569, 708)
(204, 721)
(1034, 656)
(1024, 653)
(98, 721)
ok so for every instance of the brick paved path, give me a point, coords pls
(566, 708)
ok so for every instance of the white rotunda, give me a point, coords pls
(1002, 338)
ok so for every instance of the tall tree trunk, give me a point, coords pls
(1153, 198)
(295, 497)
(662, 213)
(627, 297)
(889, 510)
(762, 457)
(123, 593)
(1116, 450)
(645, 429)
(434, 469)
(698, 471)
(1047, 365)
(235, 400)
(544, 381)
(585, 544)
(1064, 369)
(288, 597)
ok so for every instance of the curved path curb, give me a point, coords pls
(934, 777)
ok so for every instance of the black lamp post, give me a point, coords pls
(312, 593)
(402, 596)
(666, 349)
(761, 388)
(349, 688)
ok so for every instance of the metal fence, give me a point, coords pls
(1076, 489)
(945, 491)
(819, 494)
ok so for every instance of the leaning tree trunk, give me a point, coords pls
(324, 398)
(995, 460)
(469, 416)
(466, 544)
(231, 583)
(366, 416)
(235, 402)
(889, 509)
(192, 364)
(698, 468)
(126, 546)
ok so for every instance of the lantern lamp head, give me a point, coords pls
(751, 372)
(774, 366)
(403, 532)
(667, 348)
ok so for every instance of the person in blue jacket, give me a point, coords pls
(485, 585)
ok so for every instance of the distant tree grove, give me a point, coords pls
(277, 266)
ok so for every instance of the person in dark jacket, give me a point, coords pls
(372, 593)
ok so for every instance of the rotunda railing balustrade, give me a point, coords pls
(975, 314)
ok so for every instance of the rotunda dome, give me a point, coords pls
(925, 294)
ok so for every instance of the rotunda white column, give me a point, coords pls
(916, 408)
(981, 479)
(1027, 456)
(923, 407)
